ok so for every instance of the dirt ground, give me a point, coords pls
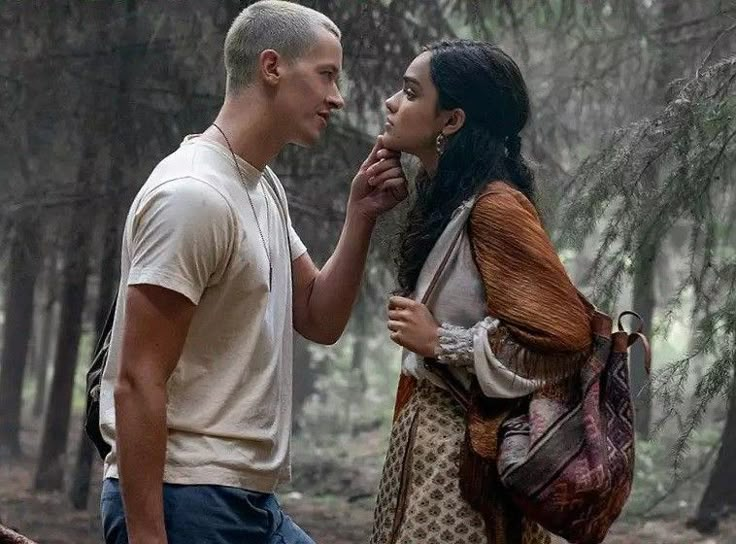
(332, 502)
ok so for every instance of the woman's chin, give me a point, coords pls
(389, 142)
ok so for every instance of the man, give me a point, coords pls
(196, 394)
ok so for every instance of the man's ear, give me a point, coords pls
(269, 64)
(455, 121)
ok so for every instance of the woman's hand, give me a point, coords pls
(413, 326)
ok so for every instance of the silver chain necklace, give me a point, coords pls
(253, 208)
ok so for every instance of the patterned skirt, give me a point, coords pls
(419, 500)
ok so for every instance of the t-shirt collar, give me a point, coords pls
(250, 173)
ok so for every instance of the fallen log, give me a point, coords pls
(11, 537)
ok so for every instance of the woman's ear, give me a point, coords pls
(455, 122)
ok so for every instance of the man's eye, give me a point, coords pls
(409, 93)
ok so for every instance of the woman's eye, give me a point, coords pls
(409, 93)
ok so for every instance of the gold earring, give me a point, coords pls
(441, 143)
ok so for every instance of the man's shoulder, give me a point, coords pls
(182, 192)
(185, 192)
(273, 178)
(184, 172)
(186, 160)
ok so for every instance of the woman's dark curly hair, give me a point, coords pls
(488, 86)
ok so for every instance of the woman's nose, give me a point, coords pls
(391, 103)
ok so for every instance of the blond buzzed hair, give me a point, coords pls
(286, 27)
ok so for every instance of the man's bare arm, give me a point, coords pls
(323, 299)
(156, 325)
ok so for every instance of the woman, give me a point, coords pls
(484, 293)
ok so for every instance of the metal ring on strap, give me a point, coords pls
(637, 335)
(640, 329)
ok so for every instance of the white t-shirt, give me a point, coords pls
(191, 229)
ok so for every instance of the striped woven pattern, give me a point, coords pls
(568, 460)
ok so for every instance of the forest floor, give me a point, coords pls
(330, 499)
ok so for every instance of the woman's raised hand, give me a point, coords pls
(413, 326)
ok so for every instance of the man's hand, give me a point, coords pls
(380, 183)
(413, 327)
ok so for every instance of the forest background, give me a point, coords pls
(633, 139)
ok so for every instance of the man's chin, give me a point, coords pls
(306, 140)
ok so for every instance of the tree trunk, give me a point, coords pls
(719, 499)
(122, 152)
(47, 334)
(51, 462)
(17, 331)
(80, 483)
(644, 302)
(48, 330)
(232, 9)
(644, 293)
(305, 378)
(77, 250)
(50, 471)
(359, 347)
(79, 487)
(358, 383)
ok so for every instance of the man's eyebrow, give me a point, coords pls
(409, 79)
(330, 66)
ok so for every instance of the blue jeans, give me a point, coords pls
(208, 514)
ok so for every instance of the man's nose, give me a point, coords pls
(336, 101)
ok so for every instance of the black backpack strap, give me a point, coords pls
(107, 327)
(94, 379)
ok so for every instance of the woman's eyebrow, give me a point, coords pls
(409, 79)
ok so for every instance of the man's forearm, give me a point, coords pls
(140, 422)
(336, 286)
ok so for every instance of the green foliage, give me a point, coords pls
(692, 145)
(657, 491)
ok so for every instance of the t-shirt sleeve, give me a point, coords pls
(297, 246)
(182, 236)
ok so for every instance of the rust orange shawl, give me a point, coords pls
(545, 326)
(544, 322)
